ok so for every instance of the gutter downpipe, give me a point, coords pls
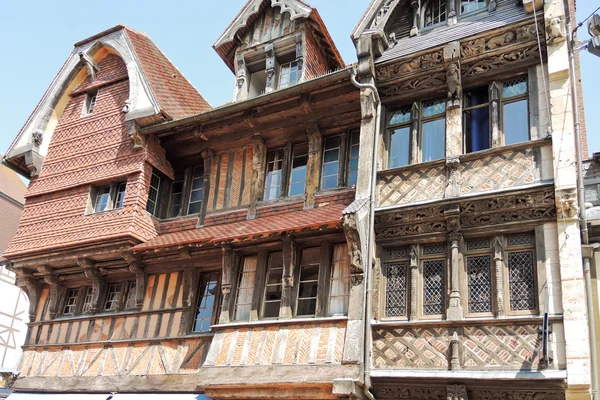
(372, 187)
(587, 276)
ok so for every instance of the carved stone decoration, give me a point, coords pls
(455, 311)
(395, 392)
(454, 352)
(32, 289)
(414, 278)
(383, 14)
(89, 63)
(453, 177)
(137, 139)
(37, 137)
(499, 265)
(93, 274)
(452, 217)
(456, 392)
(555, 30)
(416, 65)
(392, 40)
(415, 5)
(492, 6)
(566, 204)
(350, 226)
(478, 46)
(495, 394)
(56, 289)
(424, 82)
(453, 75)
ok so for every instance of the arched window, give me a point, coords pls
(435, 12)
(471, 5)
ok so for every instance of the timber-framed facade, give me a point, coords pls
(402, 228)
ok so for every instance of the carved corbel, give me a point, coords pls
(137, 267)
(350, 226)
(90, 64)
(566, 204)
(456, 392)
(451, 54)
(31, 286)
(56, 289)
(93, 274)
(415, 5)
(452, 217)
(137, 139)
(228, 257)
(198, 133)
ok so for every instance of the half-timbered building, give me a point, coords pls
(401, 228)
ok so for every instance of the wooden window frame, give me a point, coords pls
(113, 197)
(154, 210)
(199, 297)
(77, 304)
(267, 285)
(344, 159)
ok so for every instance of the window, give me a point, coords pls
(396, 268)
(471, 5)
(207, 294)
(298, 170)
(592, 194)
(479, 276)
(434, 279)
(353, 164)
(90, 102)
(87, 300)
(113, 297)
(339, 293)
(153, 191)
(515, 111)
(71, 300)
(476, 119)
(308, 284)
(176, 195)
(273, 177)
(245, 289)
(433, 130)
(273, 286)
(435, 12)
(130, 301)
(109, 197)
(289, 74)
(399, 138)
(331, 162)
(197, 191)
(521, 277)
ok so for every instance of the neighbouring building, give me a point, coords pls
(13, 314)
(406, 227)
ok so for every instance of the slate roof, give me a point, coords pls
(327, 216)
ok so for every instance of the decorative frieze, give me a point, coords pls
(512, 59)
(418, 64)
(429, 81)
(516, 35)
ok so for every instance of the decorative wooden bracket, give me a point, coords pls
(93, 274)
(90, 64)
(198, 133)
(137, 267)
(31, 286)
(56, 289)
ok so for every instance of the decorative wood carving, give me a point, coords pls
(350, 226)
(457, 392)
(93, 274)
(416, 65)
(259, 160)
(137, 267)
(402, 392)
(227, 275)
(31, 286)
(241, 80)
(289, 262)
(436, 79)
(516, 35)
(452, 392)
(138, 140)
(313, 166)
(190, 285)
(525, 56)
(56, 289)
(271, 68)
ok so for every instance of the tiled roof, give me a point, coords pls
(11, 185)
(326, 216)
(175, 95)
(10, 214)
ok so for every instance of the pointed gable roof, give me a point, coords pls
(375, 17)
(156, 88)
(226, 43)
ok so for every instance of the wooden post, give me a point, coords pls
(98, 284)
(272, 67)
(455, 310)
(228, 264)
(313, 167)
(207, 157)
(259, 287)
(190, 284)
(289, 263)
(259, 161)
(454, 128)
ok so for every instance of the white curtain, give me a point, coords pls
(243, 303)
(340, 281)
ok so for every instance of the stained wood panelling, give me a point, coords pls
(268, 26)
(163, 295)
(231, 174)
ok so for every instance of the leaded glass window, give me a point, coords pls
(521, 280)
(433, 287)
(396, 289)
(479, 284)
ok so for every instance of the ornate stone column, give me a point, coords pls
(455, 310)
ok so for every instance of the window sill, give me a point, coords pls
(276, 322)
(521, 319)
(103, 212)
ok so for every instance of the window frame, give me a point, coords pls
(216, 305)
(466, 253)
(156, 207)
(112, 202)
(424, 258)
(502, 101)
(507, 250)
(425, 8)
(267, 285)
(320, 285)
(77, 302)
(180, 178)
(192, 190)
(90, 102)
(393, 256)
(282, 160)
(288, 74)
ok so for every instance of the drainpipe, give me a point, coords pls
(587, 250)
(371, 237)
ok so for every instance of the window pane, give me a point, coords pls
(197, 191)
(87, 300)
(433, 287)
(517, 87)
(329, 182)
(434, 107)
(340, 281)
(113, 297)
(273, 286)
(591, 193)
(298, 171)
(477, 121)
(121, 187)
(102, 198)
(273, 177)
(131, 293)
(399, 154)
(521, 281)
(396, 293)
(516, 122)
(330, 169)
(153, 194)
(308, 285)
(471, 5)
(434, 136)
(206, 296)
(245, 289)
(400, 116)
(176, 195)
(435, 12)
(480, 284)
(353, 163)
(70, 301)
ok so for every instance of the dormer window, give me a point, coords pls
(90, 102)
(471, 5)
(289, 75)
(435, 12)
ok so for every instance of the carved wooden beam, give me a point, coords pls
(90, 64)
(198, 133)
(137, 267)
(259, 161)
(313, 166)
(31, 286)
(306, 103)
(98, 284)
(56, 289)
(190, 280)
(227, 276)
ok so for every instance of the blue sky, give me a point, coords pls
(36, 37)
